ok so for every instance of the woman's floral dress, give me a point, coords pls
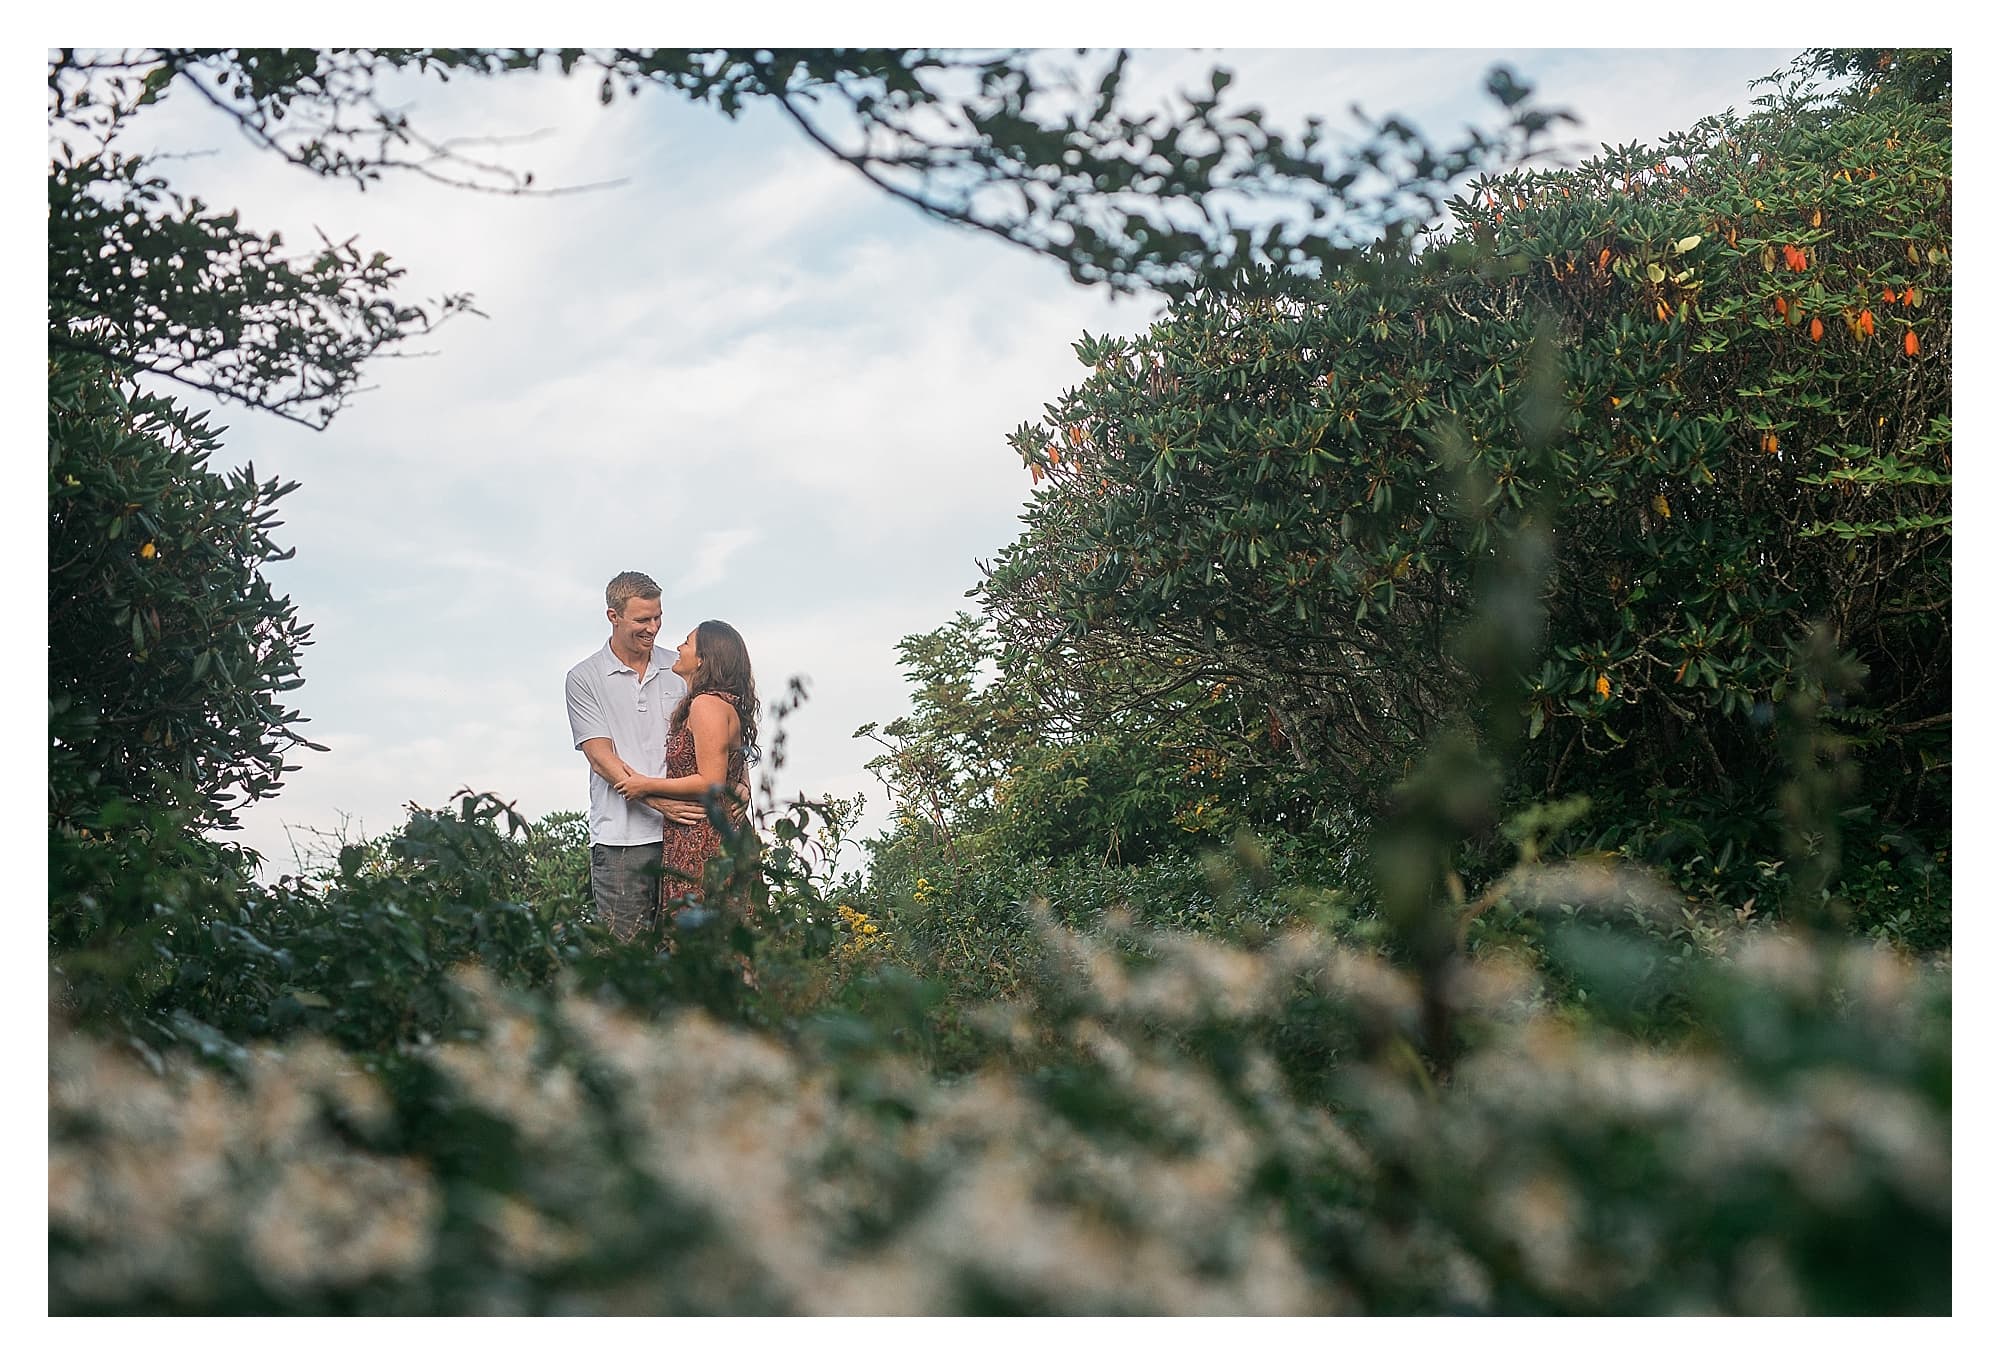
(687, 848)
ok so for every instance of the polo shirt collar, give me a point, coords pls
(611, 663)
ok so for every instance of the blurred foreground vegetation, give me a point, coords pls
(431, 1085)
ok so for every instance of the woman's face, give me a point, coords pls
(687, 660)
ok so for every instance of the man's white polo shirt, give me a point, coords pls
(609, 700)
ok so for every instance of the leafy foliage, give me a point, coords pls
(169, 654)
(158, 938)
(1262, 520)
(160, 284)
(1032, 148)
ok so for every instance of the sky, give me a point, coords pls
(735, 366)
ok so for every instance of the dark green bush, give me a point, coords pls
(169, 654)
(1717, 370)
(154, 933)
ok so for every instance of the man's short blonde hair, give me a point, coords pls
(625, 587)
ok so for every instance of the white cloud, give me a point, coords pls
(711, 556)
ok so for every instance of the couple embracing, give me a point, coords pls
(659, 728)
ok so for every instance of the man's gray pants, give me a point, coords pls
(625, 883)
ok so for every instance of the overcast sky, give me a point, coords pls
(741, 370)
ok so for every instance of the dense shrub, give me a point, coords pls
(183, 951)
(169, 654)
(1717, 370)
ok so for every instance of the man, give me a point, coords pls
(619, 699)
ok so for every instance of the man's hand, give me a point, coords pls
(694, 812)
(678, 812)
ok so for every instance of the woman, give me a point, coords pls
(708, 737)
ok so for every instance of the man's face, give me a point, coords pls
(633, 628)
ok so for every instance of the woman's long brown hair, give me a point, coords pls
(724, 667)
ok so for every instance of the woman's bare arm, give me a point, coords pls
(715, 726)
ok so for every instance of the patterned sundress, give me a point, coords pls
(688, 848)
